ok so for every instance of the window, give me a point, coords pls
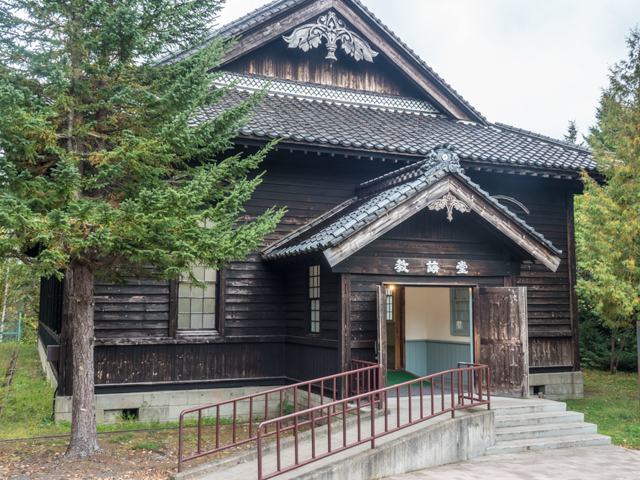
(460, 311)
(314, 298)
(196, 306)
(389, 303)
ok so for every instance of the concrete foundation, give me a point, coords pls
(166, 406)
(46, 366)
(557, 386)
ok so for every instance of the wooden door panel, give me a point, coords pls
(382, 330)
(501, 337)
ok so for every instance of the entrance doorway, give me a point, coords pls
(429, 329)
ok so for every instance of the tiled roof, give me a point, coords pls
(356, 214)
(327, 122)
(239, 26)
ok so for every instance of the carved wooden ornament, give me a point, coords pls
(449, 202)
(333, 29)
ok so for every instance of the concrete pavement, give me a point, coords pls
(604, 462)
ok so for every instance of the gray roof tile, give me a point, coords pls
(357, 213)
(319, 123)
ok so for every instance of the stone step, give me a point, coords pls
(544, 418)
(548, 443)
(550, 430)
(526, 407)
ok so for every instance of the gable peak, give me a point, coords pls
(333, 30)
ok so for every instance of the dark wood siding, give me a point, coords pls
(138, 309)
(139, 365)
(264, 302)
(277, 60)
(549, 294)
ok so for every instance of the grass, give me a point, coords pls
(147, 446)
(28, 401)
(122, 438)
(611, 402)
(6, 352)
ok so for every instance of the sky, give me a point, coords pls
(533, 64)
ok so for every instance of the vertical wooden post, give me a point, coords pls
(638, 337)
(344, 333)
(382, 332)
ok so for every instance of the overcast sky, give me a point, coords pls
(533, 64)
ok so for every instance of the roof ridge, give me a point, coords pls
(546, 138)
(313, 91)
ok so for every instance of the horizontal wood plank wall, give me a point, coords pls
(548, 293)
(307, 185)
(138, 309)
(254, 299)
(430, 236)
(144, 364)
(277, 60)
(265, 299)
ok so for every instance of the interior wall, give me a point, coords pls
(430, 347)
(428, 315)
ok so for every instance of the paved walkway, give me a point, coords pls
(605, 462)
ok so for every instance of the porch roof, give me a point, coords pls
(386, 202)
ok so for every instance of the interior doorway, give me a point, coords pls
(429, 329)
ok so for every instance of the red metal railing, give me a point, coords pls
(473, 392)
(242, 411)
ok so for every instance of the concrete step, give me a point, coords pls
(548, 443)
(525, 407)
(550, 430)
(544, 418)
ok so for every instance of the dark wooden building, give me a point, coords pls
(418, 234)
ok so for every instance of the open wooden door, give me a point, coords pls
(501, 337)
(381, 343)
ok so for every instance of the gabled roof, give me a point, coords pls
(356, 223)
(377, 123)
(282, 16)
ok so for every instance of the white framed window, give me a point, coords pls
(197, 306)
(460, 311)
(389, 304)
(314, 298)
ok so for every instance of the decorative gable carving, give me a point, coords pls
(449, 202)
(331, 28)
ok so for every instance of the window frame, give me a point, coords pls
(454, 302)
(311, 300)
(219, 310)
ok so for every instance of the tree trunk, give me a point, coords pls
(612, 368)
(84, 437)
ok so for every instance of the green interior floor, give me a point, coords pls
(394, 377)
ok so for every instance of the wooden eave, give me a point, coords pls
(275, 26)
(407, 158)
(494, 216)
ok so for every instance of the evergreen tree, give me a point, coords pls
(101, 174)
(572, 132)
(608, 213)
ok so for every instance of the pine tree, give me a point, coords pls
(101, 174)
(608, 213)
(572, 132)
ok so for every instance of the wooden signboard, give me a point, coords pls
(433, 267)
